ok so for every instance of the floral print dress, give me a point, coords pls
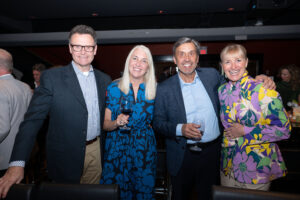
(130, 158)
(253, 158)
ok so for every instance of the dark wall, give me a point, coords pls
(111, 58)
(275, 52)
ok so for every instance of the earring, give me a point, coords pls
(223, 73)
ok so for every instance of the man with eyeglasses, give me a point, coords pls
(74, 97)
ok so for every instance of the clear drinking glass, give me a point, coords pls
(126, 109)
(199, 121)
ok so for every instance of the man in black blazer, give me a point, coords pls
(74, 98)
(179, 99)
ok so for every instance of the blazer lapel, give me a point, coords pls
(100, 88)
(176, 88)
(72, 83)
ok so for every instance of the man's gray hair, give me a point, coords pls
(184, 40)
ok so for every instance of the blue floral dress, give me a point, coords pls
(130, 158)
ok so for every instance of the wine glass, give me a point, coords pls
(126, 109)
(199, 121)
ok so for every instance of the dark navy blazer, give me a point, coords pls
(60, 96)
(169, 111)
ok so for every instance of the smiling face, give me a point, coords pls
(82, 58)
(285, 75)
(186, 59)
(234, 65)
(138, 64)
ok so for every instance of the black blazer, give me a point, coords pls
(169, 111)
(60, 96)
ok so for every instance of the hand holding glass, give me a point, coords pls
(126, 109)
(199, 121)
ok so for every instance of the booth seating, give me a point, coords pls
(228, 193)
(57, 191)
(21, 192)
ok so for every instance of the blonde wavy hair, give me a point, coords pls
(149, 77)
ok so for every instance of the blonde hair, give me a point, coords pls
(149, 77)
(233, 48)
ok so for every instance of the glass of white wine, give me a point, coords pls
(199, 121)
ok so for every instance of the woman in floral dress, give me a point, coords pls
(254, 119)
(130, 156)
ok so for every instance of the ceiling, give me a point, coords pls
(32, 16)
(44, 16)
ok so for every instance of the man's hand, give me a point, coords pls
(13, 175)
(191, 131)
(268, 83)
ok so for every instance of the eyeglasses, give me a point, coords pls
(78, 48)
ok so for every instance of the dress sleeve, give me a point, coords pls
(112, 98)
(272, 123)
(108, 97)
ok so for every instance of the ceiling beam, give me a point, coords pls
(158, 35)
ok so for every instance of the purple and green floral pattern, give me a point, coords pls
(255, 157)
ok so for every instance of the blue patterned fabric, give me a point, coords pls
(130, 158)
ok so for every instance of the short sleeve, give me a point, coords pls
(113, 94)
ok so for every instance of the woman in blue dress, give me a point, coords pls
(130, 156)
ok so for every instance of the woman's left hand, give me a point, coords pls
(234, 131)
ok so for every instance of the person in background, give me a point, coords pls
(193, 91)
(165, 74)
(37, 70)
(35, 169)
(289, 86)
(254, 119)
(14, 100)
(130, 155)
(74, 98)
